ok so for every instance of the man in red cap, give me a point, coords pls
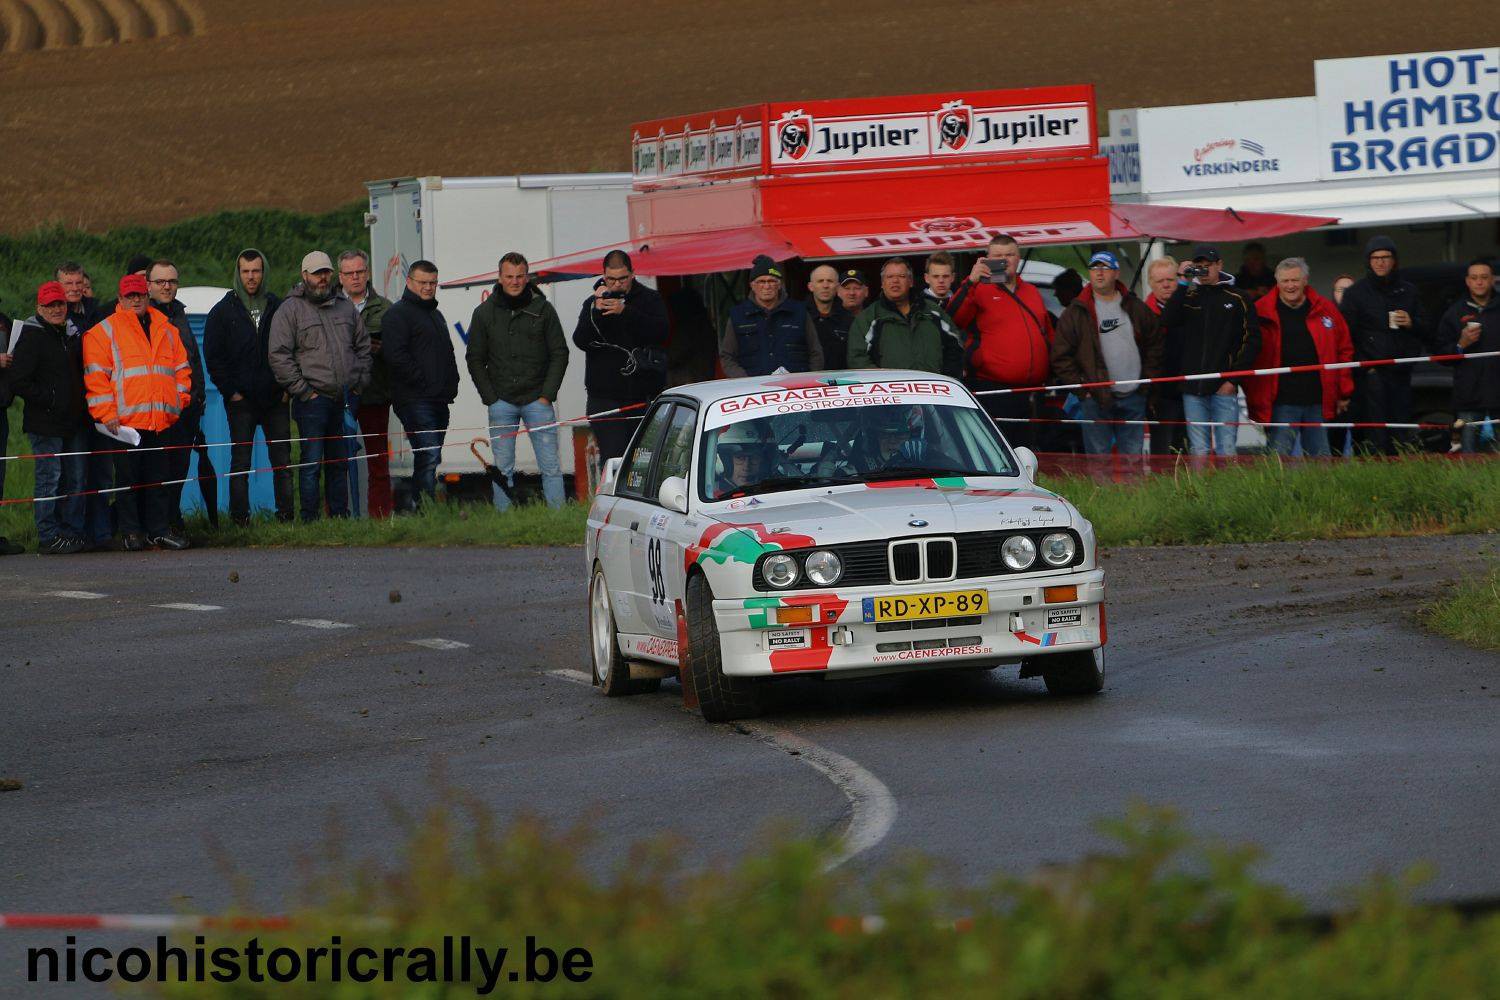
(138, 379)
(47, 373)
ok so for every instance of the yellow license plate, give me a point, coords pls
(948, 604)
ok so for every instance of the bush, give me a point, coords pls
(1161, 916)
(203, 249)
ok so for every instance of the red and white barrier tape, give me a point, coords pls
(489, 430)
(1245, 373)
(1357, 425)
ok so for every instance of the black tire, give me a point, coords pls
(610, 671)
(721, 698)
(1076, 673)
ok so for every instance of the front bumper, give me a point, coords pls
(1019, 625)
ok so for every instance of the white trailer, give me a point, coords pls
(463, 225)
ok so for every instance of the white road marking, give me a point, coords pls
(872, 807)
(314, 623)
(189, 607)
(81, 595)
(576, 676)
(438, 643)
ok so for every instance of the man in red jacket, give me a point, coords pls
(1299, 327)
(1010, 334)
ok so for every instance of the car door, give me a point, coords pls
(661, 571)
(632, 513)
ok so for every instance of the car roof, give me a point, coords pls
(725, 388)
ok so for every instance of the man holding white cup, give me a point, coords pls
(1472, 326)
(1386, 320)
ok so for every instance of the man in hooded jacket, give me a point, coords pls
(1386, 320)
(236, 347)
(320, 353)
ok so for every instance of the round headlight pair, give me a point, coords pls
(1019, 552)
(822, 568)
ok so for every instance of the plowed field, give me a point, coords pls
(115, 111)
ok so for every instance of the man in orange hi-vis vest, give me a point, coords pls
(137, 378)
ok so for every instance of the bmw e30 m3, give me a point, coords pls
(844, 523)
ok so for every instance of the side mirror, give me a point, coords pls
(673, 494)
(607, 477)
(1028, 461)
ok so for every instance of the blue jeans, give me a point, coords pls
(323, 418)
(1314, 439)
(59, 477)
(1215, 408)
(505, 421)
(1473, 434)
(425, 423)
(1127, 439)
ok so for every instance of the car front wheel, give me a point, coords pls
(721, 698)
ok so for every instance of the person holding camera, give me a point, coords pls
(1219, 332)
(622, 331)
(1010, 334)
(768, 332)
(1386, 320)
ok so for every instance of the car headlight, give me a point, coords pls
(1058, 549)
(779, 570)
(1018, 552)
(823, 568)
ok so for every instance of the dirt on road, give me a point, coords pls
(148, 111)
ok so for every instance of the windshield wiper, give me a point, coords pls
(776, 483)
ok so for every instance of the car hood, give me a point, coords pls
(887, 510)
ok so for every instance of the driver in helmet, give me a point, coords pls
(896, 445)
(746, 453)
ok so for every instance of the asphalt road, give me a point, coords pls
(1277, 694)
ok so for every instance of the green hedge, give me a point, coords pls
(203, 248)
(1162, 915)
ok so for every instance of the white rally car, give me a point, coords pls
(844, 523)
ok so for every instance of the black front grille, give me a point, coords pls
(906, 562)
(940, 557)
(868, 563)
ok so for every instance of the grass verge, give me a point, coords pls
(1470, 613)
(1271, 501)
(1160, 915)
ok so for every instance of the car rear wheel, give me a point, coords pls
(721, 698)
(1080, 672)
(611, 672)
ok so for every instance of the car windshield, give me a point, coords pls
(850, 444)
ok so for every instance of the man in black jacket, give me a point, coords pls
(829, 317)
(424, 374)
(1472, 325)
(1386, 320)
(47, 372)
(181, 436)
(1219, 332)
(7, 547)
(236, 344)
(622, 330)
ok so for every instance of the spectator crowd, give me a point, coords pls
(114, 392)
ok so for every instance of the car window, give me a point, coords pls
(636, 471)
(676, 448)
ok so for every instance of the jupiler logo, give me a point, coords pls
(947, 224)
(954, 121)
(793, 130)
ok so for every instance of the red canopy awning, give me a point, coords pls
(722, 227)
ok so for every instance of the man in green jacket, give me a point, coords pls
(902, 330)
(517, 356)
(374, 412)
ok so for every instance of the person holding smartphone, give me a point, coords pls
(622, 330)
(1386, 320)
(1010, 333)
